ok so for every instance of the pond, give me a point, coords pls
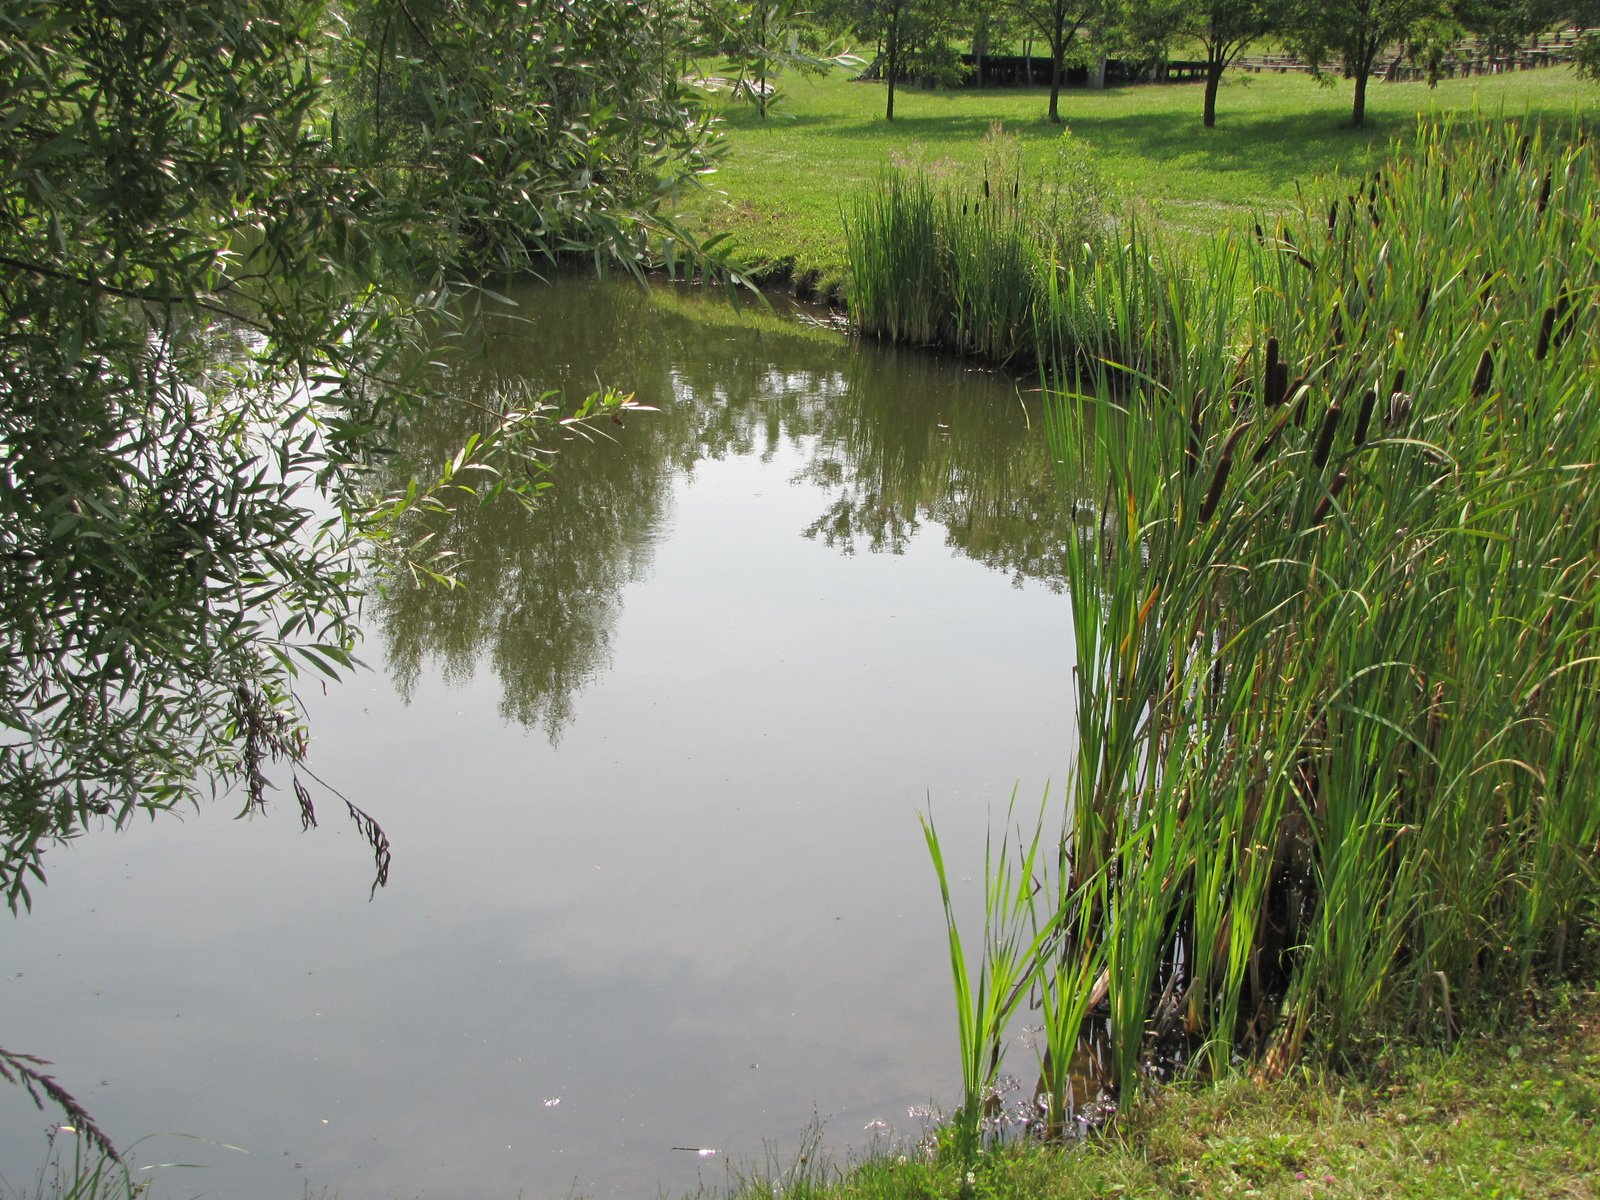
(651, 777)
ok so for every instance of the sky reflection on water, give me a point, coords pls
(651, 781)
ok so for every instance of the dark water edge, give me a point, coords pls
(651, 779)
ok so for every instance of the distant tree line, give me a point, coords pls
(918, 39)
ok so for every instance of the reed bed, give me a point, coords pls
(974, 264)
(1335, 575)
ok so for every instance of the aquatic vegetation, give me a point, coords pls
(969, 262)
(1337, 636)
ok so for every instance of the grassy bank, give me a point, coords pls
(781, 189)
(1509, 1116)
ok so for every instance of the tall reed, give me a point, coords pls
(987, 990)
(1336, 678)
(970, 260)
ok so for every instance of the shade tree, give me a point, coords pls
(1223, 29)
(1354, 33)
(1064, 25)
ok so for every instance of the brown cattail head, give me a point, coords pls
(1219, 477)
(1564, 319)
(1233, 439)
(1545, 327)
(1484, 375)
(1544, 192)
(1260, 236)
(1364, 416)
(1333, 217)
(1269, 376)
(1330, 422)
(1326, 505)
(1399, 384)
(1277, 383)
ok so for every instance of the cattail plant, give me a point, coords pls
(1333, 739)
(1483, 376)
(1364, 417)
(1330, 423)
(1219, 476)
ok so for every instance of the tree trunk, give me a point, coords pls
(894, 64)
(1058, 52)
(1213, 81)
(761, 70)
(1358, 116)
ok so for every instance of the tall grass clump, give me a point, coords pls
(79, 1170)
(968, 261)
(1335, 578)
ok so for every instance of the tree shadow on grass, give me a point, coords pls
(779, 122)
(1274, 149)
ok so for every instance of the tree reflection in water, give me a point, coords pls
(893, 440)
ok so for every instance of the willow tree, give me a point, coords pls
(219, 269)
(216, 282)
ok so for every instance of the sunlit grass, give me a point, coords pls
(1508, 1115)
(782, 188)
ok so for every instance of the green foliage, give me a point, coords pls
(779, 191)
(764, 40)
(529, 130)
(1060, 23)
(915, 42)
(1356, 32)
(988, 990)
(218, 289)
(180, 261)
(1223, 29)
(1586, 56)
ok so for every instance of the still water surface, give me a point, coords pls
(651, 778)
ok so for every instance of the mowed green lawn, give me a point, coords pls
(780, 189)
